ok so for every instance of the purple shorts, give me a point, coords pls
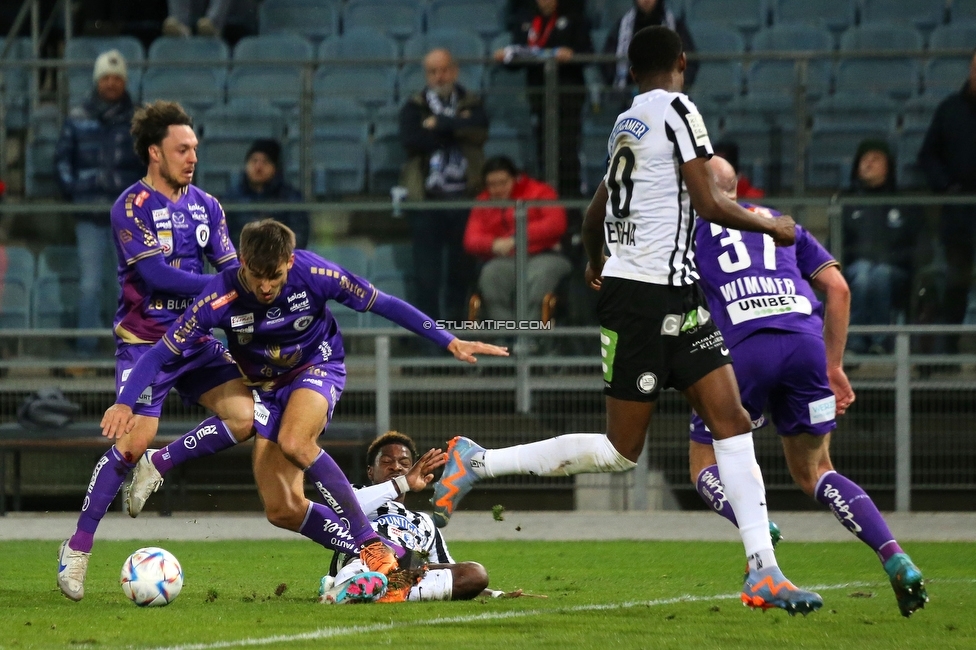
(199, 370)
(327, 379)
(787, 371)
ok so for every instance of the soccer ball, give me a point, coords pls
(152, 577)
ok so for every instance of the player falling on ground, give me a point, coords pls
(394, 469)
(286, 342)
(655, 329)
(788, 352)
(163, 228)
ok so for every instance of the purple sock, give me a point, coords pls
(857, 512)
(208, 437)
(712, 492)
(332, 484)
(110, 471)
(323, 526)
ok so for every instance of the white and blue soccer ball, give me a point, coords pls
(152, 577)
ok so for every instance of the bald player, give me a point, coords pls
(787, 350)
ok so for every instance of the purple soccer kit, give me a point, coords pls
(760, 297)
(292, 343)
(147, 225)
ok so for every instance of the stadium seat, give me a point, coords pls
(958, 36)
(39, 165)
(717, 38)
(910, 175)
(764, 128)
(483, 16)
(875, 113)
(397, 18)
(363, 43)
(355, 260)
(745, 15)
(197, 88)
(509, 140)
(923, 15)
(369, 86)
(313, 19)
(226, 133)
(280, 84)
(831, 153)
(55, 295)
(386, 157)
(836, 15)
(896, 77)
(943, 76)
(593, 151)
(918, 111)
(15, 81)
(16, 282)
(781, 76)
(390, 270)
(963, 11)
(505, 90)
(338, 160)
(718, 81)
(85, 49)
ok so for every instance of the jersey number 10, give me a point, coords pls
(621, 178)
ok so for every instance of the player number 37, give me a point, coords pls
(739, 251)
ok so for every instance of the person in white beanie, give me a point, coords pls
(95, 161)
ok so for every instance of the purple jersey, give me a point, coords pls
(274, 343)
(146, 223)
(752, 284)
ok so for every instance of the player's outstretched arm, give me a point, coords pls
(837, 314)
(712, 205)
(465, 350)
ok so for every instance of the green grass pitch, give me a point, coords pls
(610, 594)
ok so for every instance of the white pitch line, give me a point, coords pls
(332, 632)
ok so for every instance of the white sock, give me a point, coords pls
(575, 453)
(437, 584)
(744, 488)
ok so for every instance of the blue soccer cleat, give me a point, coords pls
(768, 588)
(361, 588)
(907, 582)
(457, 479)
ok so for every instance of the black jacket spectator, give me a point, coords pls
(636, 19)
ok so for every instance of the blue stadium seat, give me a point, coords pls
(197, 88)
(386, 157)
(280, 84)
(918, 111)
(39, 164)
(397, 18)
(313, 19)
(963, 10)
(226, 133)
(780, 76)
(718, 81)
(504, 90)
(509, 140)
(875, 113)
(831, 153)
(390, 271)
(16, 283)
(593, 151)
(355, 260)
(746, 15)
(482, 16)
(896, 77)
(717, 38)
(955, 36)
(338, 160)
(910, 175)
(86, 49)
(363, 43)
(369, 86)
(764, 128)
(836, 15)
(923, 15)
(55, 295)
(16, 83)
(942, 77)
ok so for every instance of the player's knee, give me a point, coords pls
(470, 579)
(284, 515)
(734, 423)
(610, 459)
(240, 425)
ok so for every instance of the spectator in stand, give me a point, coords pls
(95, 161)
(744, 188)
(948, 159)
(643, 14)
(490, 235)
(211, 23)
(879, 246)
(443, 128)
(551, 31)
(262, 181)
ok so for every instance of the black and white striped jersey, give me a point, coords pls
(650, 223)
(412, 530)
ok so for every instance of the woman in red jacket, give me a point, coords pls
(490, 236)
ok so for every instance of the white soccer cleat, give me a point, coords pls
(146, 479)
(361, 588)
(72, 567)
